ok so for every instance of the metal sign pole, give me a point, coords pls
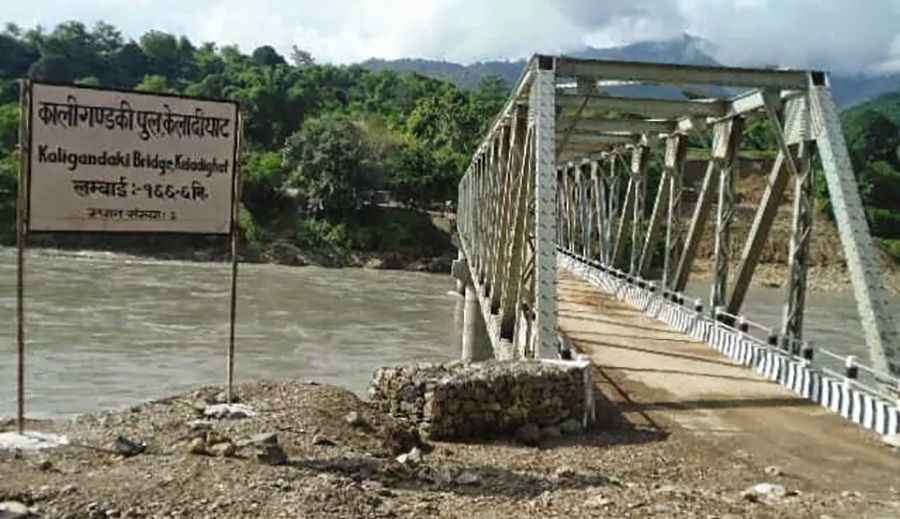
(235, 213)
(24, 115)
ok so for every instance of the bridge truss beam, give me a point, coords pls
(570, 163)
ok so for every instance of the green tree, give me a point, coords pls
(263, 175)
(127, 66)
(301, 58)
(9, 128)
(69, 52)
(489, 98)
(873, 140)
(208, 61)
(420, 177)
(273, 102)
(266, 56)
(169, 56)
(156, 84)
(16, 56)
(329, 163)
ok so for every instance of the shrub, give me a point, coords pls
(892, 247)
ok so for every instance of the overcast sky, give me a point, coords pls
(840, 35)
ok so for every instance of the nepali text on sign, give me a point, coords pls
(124, 161)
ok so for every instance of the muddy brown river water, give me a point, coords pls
(107, 331)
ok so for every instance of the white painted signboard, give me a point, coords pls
(110, 161)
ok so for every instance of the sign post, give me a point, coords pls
(97, 160)
(235, 218)
(21, 212)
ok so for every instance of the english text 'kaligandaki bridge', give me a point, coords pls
(570, 247)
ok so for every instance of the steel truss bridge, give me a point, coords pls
(562, 183)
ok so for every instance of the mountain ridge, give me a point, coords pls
(848, 90)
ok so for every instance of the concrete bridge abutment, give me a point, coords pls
(474, 343)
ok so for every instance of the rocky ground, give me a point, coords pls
(828, 268)
(285, 253)
(820, 277)
(333, 455)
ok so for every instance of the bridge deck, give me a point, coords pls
(663, 379)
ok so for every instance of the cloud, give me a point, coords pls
(831, 34)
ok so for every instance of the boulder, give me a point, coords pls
(128, 448)
(222, 450)
(399, 439)
(570, 426)
(264, 439)
(268, 454)
(355, 419)
(286, 253)
(468, 478)
(529, 434)
(551, 431)
(413, 457)
(15, 510)
(324, 441)
(196, 446)
(229, 411)
(764, 492)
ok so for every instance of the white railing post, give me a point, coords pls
(741, 326)
(851, 371)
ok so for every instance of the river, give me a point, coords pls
(111, 331)
(106, 331)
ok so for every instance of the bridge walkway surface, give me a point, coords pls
(660, 378)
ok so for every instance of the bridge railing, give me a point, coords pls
(848, 368)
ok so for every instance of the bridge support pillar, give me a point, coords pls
(476, 346)
(472, 338)
(459, 308)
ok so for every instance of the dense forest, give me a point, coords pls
(318, 139)
(321, 139)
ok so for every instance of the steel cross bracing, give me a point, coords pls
(570, 162)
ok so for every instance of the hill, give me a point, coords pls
(887, 105)
(849, 90)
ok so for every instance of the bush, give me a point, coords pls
(262, 177)
(422, 177)
(884, 223)
(892, 247)
(320, 233)
(248, 227)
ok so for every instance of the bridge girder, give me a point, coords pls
(575, 172)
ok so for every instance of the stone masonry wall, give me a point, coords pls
(457, 401)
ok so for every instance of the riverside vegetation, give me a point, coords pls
(321, 140)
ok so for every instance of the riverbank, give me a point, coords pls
(342, 462)
(389, 238)
(404, 239)
(832, 277)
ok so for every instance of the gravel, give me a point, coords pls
(232, 468)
